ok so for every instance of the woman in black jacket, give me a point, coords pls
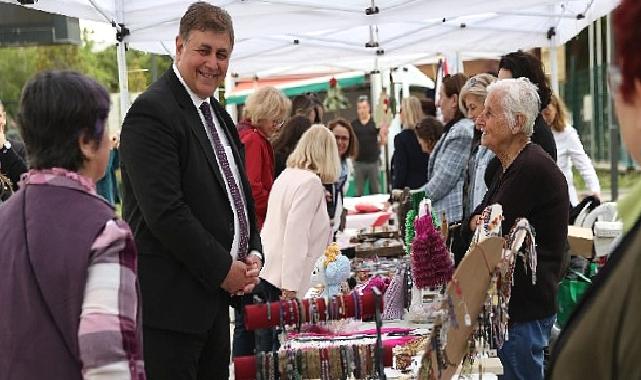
(409, 163)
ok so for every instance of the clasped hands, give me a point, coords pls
(243, 276)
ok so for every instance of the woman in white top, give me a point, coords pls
(296, 230)
(570, 150)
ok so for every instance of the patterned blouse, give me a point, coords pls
(110, 329)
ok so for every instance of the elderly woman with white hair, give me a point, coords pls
(528, 187)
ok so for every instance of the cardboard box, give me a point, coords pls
(581, 241)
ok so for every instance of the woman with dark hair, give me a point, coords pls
(68, 288)
(602, 339)
(428, 131)
(446, 167)
(308, 105)
(287, 140)
(347, 149)
(520, 64)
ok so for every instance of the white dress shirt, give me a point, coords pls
(230, 158)
(569, 151)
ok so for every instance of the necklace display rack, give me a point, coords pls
(360, 360)
(473, 321)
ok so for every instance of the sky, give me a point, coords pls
(102, 33)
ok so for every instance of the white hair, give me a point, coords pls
(518, 96)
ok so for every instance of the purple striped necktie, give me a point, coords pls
(219, 149)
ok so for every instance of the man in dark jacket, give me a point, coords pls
(189, 203)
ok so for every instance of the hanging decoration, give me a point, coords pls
(335, 99)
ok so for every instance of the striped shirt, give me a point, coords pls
(109, 332)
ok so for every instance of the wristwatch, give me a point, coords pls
(6, 146)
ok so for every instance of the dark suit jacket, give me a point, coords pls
(409, 163)
(176, 202)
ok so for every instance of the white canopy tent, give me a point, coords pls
(300, 35)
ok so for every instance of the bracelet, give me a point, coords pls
(357, 311)
(282, 362)
(335, 362)
(312, 305)
(357, 363)
(281, 315)
(325, 309)
(258, 367)
(299, 314)
(324, 356)
(372, 349)
(292, 316)
(363, 354)
(290, 365)
(299, 363)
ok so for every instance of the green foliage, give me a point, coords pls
(18, 64)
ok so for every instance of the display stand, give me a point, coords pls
(473, 276)
(366, 306)
(257, 317)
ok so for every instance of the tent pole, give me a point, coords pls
(232, 109)
(593, 152)
(614, 136)
(554, 66)
(123, 80)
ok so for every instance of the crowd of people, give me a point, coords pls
(218, 214)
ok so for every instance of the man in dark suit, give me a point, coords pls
(189, 204)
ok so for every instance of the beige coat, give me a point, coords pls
(296, 230)
(603, 337)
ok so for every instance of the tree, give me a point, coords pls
(18, 64)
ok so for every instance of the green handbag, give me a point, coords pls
(570, 293)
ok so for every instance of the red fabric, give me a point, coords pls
(366, 207)
(259, 165)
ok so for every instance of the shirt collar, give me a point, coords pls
(59, 177)
(197, 100)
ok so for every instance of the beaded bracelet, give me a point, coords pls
(299, 311)
(282, 363)
(259, 371)
(343, 358)
(335, 362)
(374, 364)
(357, 362)
(324, 352)
(291, 312)
(290, 365)
(299, 362)
(263, 361)
(364, 355)
(355, 299)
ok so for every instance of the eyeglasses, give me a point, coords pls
(342, 138)
(278, 123)
(614, 79)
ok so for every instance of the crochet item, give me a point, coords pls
(431, 263)
(330, 271)
(394, 298)
(409, 229)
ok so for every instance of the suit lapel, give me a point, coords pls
(195, 123)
